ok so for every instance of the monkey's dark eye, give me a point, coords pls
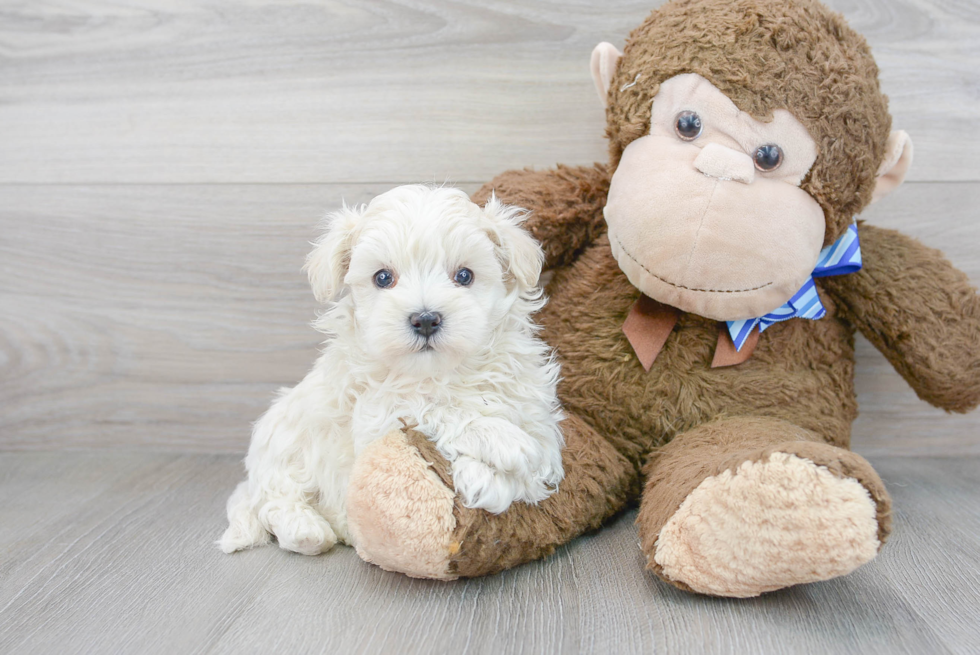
(384, 278)
(768, 158)
(688, 125)
(464, 277)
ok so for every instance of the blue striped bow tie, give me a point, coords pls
(839, 258)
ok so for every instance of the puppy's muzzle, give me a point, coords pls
(425, 323)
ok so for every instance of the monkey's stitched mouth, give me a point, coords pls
(681, 286)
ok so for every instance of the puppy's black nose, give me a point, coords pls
(425, 323)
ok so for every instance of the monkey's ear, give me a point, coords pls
(898, 159)
(518, 252)
(327, 264)
(605, 57)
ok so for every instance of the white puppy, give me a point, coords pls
(428, 322)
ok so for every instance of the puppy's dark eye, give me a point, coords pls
(464, 277)
(687, 125)
(768, 158)
(384, 278)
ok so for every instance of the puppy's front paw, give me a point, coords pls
(496, 462)
(298, 527)
(481, 486)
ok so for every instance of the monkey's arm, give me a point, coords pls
(920, 312)
(565, 204)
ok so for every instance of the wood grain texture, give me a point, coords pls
(387, 90)
(113, 552)
(166, 316)
(156, 316)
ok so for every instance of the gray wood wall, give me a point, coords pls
(163, 165)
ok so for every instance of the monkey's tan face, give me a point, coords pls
(706, 213)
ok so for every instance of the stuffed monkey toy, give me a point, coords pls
(707, 285)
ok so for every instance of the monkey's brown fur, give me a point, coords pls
(668, 429)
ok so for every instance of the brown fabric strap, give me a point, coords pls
(649, 323)
(647, 327)
(725, 353)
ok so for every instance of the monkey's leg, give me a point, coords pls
(404, 514)
(741, 506)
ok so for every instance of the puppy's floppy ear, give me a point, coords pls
(520, 255)
(327, 264)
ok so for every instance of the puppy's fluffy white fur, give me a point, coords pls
(482, 387)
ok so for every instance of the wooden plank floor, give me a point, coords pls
(113, 553)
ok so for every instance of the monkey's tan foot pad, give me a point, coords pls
(765, 525)
(400, 512)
